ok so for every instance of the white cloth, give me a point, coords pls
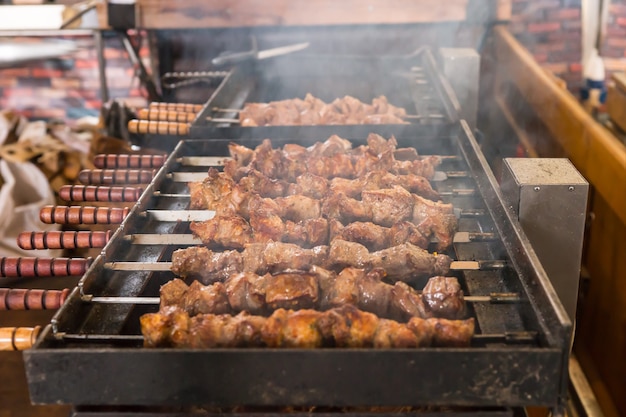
(24, 192)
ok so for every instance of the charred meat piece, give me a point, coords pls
(452, 332)
(292, 291)
(391, 334)
(205, 265)
(435, 219)
(346, 326)
(246, 292)
(205, 194)
(444, 298)
(389, 206)
(202, 299)
(223, 232)
(406, 303)
(408, 262)
(278, 257)
(169, 327)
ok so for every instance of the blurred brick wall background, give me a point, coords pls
(69, 88)
(551, 30)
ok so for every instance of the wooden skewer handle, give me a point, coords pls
(116, 176)
(129, 161)
(18, 338)
(184, 107)
(82, 215)
(158, 128)
(27, 267)
(27, 299)
(99, 193)
(166, 115)
(62, 240)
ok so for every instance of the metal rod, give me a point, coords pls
(199, 176)
(505, 298)
(180, 215)
(506, 337)
(466, 192)
(189, 239)
(166, 266)
(120, 300)
(211, 161)
(408, 116)
(221, 120)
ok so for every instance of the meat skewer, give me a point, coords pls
(318, 289)
(313, 111)
(332, 158)
(404, 262)
(339, 327)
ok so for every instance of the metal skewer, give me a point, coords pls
(493, 298)
(452, 193)
(204, 215)
(166, 266)
(408, 116)
(213, 161)
(189, 239)
(199, 176)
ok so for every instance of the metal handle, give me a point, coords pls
(62, 240)
(30, 299)
(166, 115)
(82, 215)
(158, 128)
(184, 107)
(129, 161)
(116, 176)
(234, 58)
(18, 338)
(27, 267)
(99, 193)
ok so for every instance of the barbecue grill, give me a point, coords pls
(91, 355)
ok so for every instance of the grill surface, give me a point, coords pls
(91, 354)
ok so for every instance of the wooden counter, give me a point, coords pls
(549, 122)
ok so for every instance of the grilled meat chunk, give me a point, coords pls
(407, 262)
(292, 291)
(443, 297)
(205, 265)
(223, 231)
(246, 292)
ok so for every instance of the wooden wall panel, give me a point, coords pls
(161, 14)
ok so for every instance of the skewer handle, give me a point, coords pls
(27, 299)
(62, 240)
(116, 176)
(18, 338)
(99, 193)
(27, 267)
(166, 115)
(158, 128)
(184, 107)
(82, 215)
(129, 161)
